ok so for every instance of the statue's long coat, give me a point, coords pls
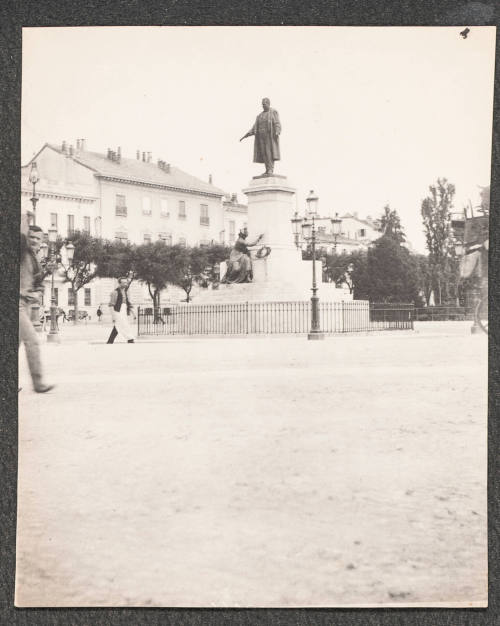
(266, 140)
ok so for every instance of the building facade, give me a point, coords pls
(119, 198)
(235, 218)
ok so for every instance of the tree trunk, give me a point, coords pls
(75, 298)
(156, 305)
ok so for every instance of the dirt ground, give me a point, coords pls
(273, 472)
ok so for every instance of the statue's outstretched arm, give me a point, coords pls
(254, 243)
(249, 134)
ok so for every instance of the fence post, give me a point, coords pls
(138, 321)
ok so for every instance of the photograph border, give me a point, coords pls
(14, 16)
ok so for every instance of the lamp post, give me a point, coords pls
(34, 178)
(53, 335)
(53, 262)
(307, 225)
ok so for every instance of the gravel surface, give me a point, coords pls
(256, 472)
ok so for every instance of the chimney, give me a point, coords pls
(78, 144)
(64, 147)
(149, 157)
(119, 154)
(210, 179)
(144, 156)
(234, 197)
(167, 168)
(109, 153)
(138, 155)
(82, 144)
(71, 151)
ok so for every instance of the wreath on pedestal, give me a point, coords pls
(263, 252)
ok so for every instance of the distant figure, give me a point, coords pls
(239, 265)
(62, 312)
(267, 130)
(30, 286)
(121, 307)
(99, 313)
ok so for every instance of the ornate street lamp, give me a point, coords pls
(34, 178)
(53, 261)
(53, 335)
(304, 229)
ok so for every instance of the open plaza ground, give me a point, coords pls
(255, 471)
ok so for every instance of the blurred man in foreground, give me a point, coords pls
(30, 286)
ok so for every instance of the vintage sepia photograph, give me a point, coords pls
(253, 316)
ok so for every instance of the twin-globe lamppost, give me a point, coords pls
(53, 262)
(305, 227)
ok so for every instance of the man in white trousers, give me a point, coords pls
(121, 307)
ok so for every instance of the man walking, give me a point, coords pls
(30, 285)
(121, 307)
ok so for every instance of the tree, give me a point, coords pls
(436, 215)
(117, 259)
(390, 224)
(188, 268)
(341, 268)
(389, 274)
(82, 269)
(155, 267)
(424, 276)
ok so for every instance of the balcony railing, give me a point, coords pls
(121, 211)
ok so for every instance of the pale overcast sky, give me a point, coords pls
(370, 115)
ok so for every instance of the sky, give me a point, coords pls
(370, 115)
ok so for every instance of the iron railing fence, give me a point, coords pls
(444, 313)
(272, 318)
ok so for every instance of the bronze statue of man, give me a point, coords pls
(267, 129)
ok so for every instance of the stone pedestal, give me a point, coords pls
(271, 207)
(283, 275)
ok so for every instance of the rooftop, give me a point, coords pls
(142, 172)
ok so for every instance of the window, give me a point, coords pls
(204, 243)
(71, 297)
(121, 236)
(232, 231)
(146, 238)
(204, 218)
(182, 210)
(87, 297)
(164, 208)
(53, 220)
(362, 232)
(166, 238)
(321, 230)
(71, 225)
(86, 224)
(56, 296)
(146, 205)
(182, 241)
(121, 206)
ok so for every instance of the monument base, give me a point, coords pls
(282, 276)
